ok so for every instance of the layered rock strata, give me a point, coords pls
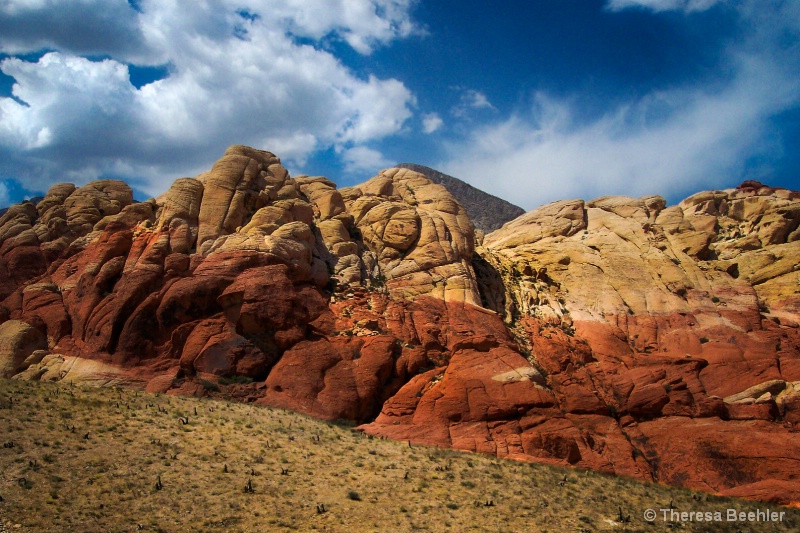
(618, 334)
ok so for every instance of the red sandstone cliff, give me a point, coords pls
(618, 334)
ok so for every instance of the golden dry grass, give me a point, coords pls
(102, 476)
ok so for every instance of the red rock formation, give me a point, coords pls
(619, 334)
(680, 323)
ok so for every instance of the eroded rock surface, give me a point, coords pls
(618, 334)
(679, 323)
(227, 275)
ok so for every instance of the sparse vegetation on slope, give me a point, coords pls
(101, 459)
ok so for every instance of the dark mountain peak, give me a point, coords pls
(486, 211)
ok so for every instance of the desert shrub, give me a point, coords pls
(208, 385)
(235, 380)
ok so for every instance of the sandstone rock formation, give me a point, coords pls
(618, 334)
(20, 346)
(681, 322)
(668, 337)
(419, 238)
(224, 273)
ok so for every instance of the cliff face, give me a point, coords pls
(242, 271)
(618, 334)
(668, 337)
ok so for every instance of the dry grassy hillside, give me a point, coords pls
(100, 459)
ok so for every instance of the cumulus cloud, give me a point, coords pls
(247, 71)
(672, 142)
(60, 93)
(132, 31)
(4, 195)
(363, 25)
(89, 27)
(431, 122)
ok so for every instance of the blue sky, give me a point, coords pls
(530, 100)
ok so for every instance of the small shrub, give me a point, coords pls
(451, 505)
(353, 495)
(235, 380)
(703, 340)
(208, 385)
(715, 299)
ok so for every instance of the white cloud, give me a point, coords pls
(89, 27)
(672, 142)
(363, 25)
(664, 5)
(361, 159)
(470, 100)
(115, 27)
(237, 74)
(431, 122)
(384, 109)
(61, 93)
(477, 100)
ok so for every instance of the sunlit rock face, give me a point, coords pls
(224, 274)
(617, 334)
(681, 322)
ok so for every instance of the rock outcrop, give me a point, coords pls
(419, 238)
(20, 346)
(668, 337)
(680, 322)
(225, 274)
(618, 334)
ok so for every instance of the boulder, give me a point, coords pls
(18, 341)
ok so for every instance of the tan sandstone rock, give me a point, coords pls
(18, 340)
